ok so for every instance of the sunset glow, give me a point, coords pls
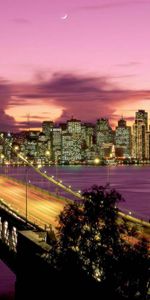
(23, 114)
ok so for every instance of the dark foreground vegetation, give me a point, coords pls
(97, 252)
(95, 255)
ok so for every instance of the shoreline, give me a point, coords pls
(75, 164)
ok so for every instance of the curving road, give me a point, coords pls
(42, 208)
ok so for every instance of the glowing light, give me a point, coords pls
(47, 153)
(39, 166)
(16, 148)
(96, 160)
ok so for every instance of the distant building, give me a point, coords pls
(104, 135)
(139, 135)
(89, 135)
(123, 139)
(43, 146)
(47, 128)
(142, 115)
(5, 150)
(74, 126)
(56, 143)
(87, 140)
(71, 148)
(147, 152)
(67, 145)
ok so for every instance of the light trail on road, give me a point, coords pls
(43, 208)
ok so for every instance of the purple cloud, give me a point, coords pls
(21, 21)
(6, 122)
(84, 97)
(113, 5)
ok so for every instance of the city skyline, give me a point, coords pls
(94, 62)
(75, 142)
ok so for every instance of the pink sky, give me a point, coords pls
(50, 68)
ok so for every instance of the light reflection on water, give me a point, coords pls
(133, 182)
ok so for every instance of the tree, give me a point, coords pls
(92, 242)
(134, 271)
(91, 229)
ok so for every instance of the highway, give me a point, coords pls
(42, 208)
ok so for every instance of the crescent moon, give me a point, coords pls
(64, 17)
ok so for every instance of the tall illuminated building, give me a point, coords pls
(75, 129)
(139, 135)
(123, 139)
(71, 149)
(142, 115)
(74, 126)
(56, 143)
(104, 135)
(89, 135)
(47, 129)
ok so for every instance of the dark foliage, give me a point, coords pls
(93, 249)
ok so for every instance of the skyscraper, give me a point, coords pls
(139, 135)
(74, 126)
(71, 149)
(56, 143)
(142, 115)
(123, 139)
(104, 135)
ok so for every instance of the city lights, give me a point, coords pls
(80, 143)
(96, 160)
